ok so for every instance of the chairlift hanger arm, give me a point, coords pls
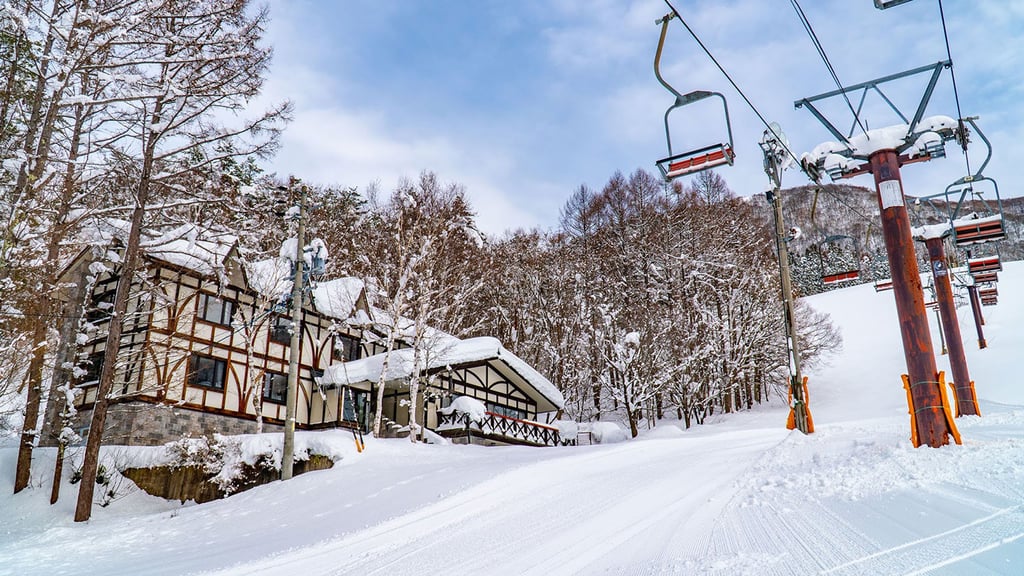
(690, 162)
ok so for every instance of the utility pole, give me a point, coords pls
(776, 151)
(288, 452)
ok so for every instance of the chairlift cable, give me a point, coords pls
(824, 57)
(734, 85)
(956, 95)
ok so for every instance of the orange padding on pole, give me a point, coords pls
(974, 399)
(946, 408)
(910, 408)
(943, 397)
(791, 420)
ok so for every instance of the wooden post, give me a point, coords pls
(925, 397)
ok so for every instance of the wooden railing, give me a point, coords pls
(505, 428)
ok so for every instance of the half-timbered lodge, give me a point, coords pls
(205, 350)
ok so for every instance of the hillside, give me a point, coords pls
(848, 216)
(741, 495)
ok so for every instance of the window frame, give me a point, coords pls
(349, 350)
(268, 377)
(100, 306)
(93, 370)
(203, 309)
(275, 329)
(193, 372)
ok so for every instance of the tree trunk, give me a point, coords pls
(47, 307)
(90, 462)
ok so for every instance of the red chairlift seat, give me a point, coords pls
(883, 285)
(839, 277)
(932, 305)
(695, 161)
(983, 277)
(988, 292)
(990, 301)
(974, 230)
(984, 264)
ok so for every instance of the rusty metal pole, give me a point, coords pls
(926, 410)
(966, 404)
(979, 320)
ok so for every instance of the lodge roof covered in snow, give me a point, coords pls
(453, 353)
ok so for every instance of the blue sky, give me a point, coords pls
(522, 101)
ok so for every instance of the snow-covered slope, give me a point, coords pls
(738, 496)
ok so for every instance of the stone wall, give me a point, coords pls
(146, 424)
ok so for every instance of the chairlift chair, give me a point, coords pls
(841, 271)
(883, 284)
(984, 222)
(989, 263)
(985, 277)
(676, 165)
(989, 295)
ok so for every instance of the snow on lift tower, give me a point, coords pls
(693, 161)
(984, 223)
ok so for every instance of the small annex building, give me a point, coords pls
(205, 350)
(513, 393)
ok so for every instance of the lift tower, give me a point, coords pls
(881, 152)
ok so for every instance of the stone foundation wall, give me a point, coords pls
(145, 424)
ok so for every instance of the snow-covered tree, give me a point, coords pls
(180, 67)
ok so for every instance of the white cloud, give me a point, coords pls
(594, 107)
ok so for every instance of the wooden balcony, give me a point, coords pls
(497, 429)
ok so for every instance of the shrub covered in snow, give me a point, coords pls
(607, 433)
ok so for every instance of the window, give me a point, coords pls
(92, 366)
(506, 411)
(100, 306)
(346, 348)
(215, 310)
(281, 330)
(275, 387)
(207, 372)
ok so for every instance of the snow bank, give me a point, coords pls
(475, 409)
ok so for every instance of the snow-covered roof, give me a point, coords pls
(405, 328)
(271, 277)
(337, 298)
(479, 350)
(191, 247)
